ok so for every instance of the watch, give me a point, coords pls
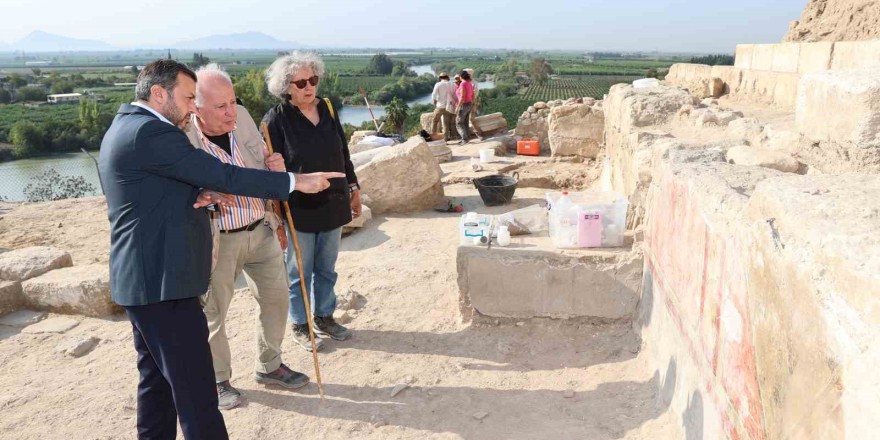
(354, 188)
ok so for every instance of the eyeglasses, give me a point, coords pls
(301, 84)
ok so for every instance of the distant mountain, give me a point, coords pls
(39, 41)
(245, 40)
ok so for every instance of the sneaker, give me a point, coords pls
(301, 337)
(227, 396)
(284, 377)
(328, 326)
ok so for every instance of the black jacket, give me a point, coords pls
(160, 246)
(309, 148)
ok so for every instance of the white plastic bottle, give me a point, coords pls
(503, 236)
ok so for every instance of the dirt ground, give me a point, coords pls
(486, 380)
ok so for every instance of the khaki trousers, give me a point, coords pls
(259, 255)
(440, 114)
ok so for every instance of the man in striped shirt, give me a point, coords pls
(248, 236)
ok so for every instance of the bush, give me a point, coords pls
(31, 94)
(50, 185)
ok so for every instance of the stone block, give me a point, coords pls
(697, 79)
(815, 57)
(762, 58)
(576, 130)
(840, 107)
(729, 75)
(426, 120)
(531, 279)
(401, 178)
(359, 135)
(77, 347)
(26, 263)
(360, 222)
(696, 287)
(11, 298)
(765, 87)
(744, 53)
(856, 55)
(786, 57)
(22, 318)
(362, 158)
(83, 290)
(814, 289)
(761, 157)
(51, 325)
(491, 125)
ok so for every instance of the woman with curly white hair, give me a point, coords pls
(306, 130)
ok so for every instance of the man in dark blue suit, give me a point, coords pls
(157, 186)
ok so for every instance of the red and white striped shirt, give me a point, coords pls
(245, 210)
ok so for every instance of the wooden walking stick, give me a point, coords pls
(299, 266)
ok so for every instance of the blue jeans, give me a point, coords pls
(319, 252)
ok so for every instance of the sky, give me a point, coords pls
(622, 25)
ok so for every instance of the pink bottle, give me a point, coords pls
(589, 232)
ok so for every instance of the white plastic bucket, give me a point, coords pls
(487, 155)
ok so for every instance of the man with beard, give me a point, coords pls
(157, 186)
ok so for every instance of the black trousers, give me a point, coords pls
(176, 373)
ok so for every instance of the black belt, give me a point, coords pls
(248, 228)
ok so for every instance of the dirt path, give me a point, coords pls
(510, 380)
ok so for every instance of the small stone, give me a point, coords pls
(52, 325)
(497, 322)
(22, 318)
(568, 394)
(540, 105)
(78, 347)
(531, 109)
(398, 389)
(481, 415)
(377, 421)
(342, 317)
(520, 324)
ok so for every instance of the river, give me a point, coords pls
(17, 174)
(357, 114)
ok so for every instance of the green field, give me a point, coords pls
(573, 87)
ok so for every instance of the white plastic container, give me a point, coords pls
(487, 155)
(645, 83)
(472, 227)
(611, 208)
(503, 236)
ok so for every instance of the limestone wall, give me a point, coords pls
(761, 290)
(769, 74)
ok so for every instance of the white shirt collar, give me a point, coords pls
(146, 107)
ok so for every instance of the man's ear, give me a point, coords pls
(158, 93)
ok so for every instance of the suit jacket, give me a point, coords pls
(251, 145)
(160, 246)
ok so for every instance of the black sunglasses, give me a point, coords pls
(301, 84)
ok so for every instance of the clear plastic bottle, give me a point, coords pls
(565, 215)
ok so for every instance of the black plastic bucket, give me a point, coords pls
(496, 190)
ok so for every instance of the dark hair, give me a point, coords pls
(444, 76)
(465, 76)
(162, 73)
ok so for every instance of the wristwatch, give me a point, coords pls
(354, 188)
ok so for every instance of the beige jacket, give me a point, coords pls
(251, 145)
